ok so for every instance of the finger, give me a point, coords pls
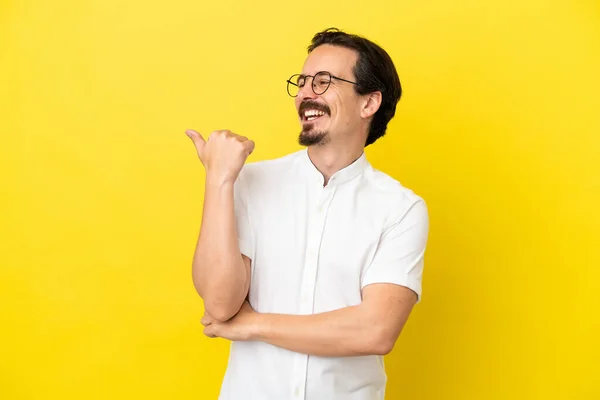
(249, 145)
(197, 138)
(206, 320)
(210, 332)
(220, 132)
(238, 137)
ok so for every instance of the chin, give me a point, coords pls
(313, 137)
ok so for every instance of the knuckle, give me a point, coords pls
(220, 133)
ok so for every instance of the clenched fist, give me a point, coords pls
(223, 154)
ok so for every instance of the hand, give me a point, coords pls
(223, 154)
(239, 328)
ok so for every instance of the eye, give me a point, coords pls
(300, 81)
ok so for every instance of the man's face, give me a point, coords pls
(333, 114)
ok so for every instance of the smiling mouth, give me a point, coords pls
(312, 115)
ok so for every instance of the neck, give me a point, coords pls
(328, 159)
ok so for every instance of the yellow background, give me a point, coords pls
(101, 191)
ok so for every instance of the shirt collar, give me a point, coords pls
(344, 175)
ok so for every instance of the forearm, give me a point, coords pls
(349, 331)
(218, 270)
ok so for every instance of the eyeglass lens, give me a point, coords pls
(320, 83)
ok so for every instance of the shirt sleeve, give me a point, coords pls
(242, 218)
(400, 254)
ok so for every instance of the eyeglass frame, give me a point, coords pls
(312, 86)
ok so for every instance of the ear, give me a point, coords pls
(371, 104)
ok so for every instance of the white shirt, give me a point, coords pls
(313, 249)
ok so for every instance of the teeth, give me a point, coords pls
(313, 113)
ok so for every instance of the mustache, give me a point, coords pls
(313, 105)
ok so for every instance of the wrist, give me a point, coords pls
(218, 182)
(259, 329)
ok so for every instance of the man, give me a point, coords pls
(311, 263)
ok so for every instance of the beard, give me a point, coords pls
(311, 137)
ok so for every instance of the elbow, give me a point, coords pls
(216, 306)
(223, 298)
(383, 348)
(382, 343)
(221, 311)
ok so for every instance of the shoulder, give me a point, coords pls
(395, 199)
(258, 173)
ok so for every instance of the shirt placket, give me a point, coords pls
(316, 225)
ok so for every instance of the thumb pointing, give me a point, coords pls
(196, 138)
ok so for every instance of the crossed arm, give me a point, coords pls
(222, 275)
(371, 327)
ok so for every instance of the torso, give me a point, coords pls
(310, 249)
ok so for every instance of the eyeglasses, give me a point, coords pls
(320, 82)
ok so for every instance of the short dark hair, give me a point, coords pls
(374, 71)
